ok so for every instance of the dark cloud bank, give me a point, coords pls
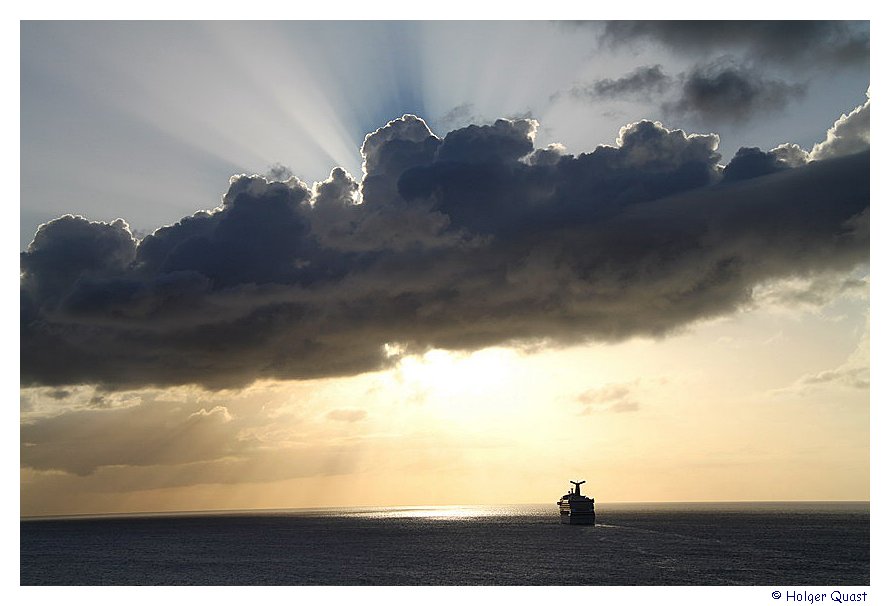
(822, 43)
(471, 240)
(729, 81)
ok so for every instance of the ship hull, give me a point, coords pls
(576, 510)
(588, 519)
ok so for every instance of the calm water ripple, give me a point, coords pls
(676, 544)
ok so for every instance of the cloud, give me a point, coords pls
(624, 406)
(460, 115)
(811, 291)
(348, 415)
(55, 480)
(150, 433)
(724, 90)
(856, 377)
(279, 172)
(642, 82)
(849, 134)
(70, 248)
(797, 43)
(460, 242)
(791, 155)
(40, 402)
(750, 162)
(616, 397)
(547, 156)
(604, 394)
(222, 411)
(853, 373)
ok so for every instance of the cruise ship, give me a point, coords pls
(575, 508)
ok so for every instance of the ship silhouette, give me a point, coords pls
(574, 508)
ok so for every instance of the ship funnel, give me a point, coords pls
(577, 486)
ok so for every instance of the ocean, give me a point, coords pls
(773, 544)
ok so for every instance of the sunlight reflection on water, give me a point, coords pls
(430, 512)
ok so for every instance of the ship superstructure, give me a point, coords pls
(574, 508)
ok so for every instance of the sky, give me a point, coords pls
(308, 264)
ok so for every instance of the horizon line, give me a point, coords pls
(196, 512)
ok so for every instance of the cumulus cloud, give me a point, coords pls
(750, 162)
(457, 242)
(724, 90)
(548, 156)
(790, 154)
(70, 248)
(788, 42)
(850, 134)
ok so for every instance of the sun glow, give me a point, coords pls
(458, 373)
(455, 384)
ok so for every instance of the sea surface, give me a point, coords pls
(632, 544)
